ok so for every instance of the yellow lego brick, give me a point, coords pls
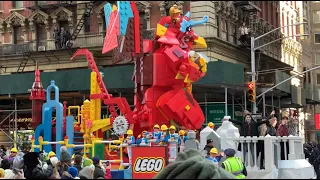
(187, 107)
(178, 76)
(114, 8)
(200, 43)
(187, 80)
(161, 30)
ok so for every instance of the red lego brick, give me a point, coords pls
(147, 46)
(146, 69)
(180, 106)
(129, 38)
(136, 19)
(110, 41)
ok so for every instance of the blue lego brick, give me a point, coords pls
(125, 13)
(107, 11)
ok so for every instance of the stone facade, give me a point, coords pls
(29, 21)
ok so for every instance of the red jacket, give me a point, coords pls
(107, 174)
(283, 130)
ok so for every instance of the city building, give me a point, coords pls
(314, 41)
(27, 38)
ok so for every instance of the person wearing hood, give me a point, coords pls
(17, 168)
(65, 160)
(191, 164)
(86, 173)
(54, 162)
(98, 172)
(33, 169)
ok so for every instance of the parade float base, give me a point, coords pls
(122, 174)
(262, 174)
(295, 169)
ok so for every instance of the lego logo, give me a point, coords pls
(148, 165)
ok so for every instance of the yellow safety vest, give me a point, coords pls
(234, 165)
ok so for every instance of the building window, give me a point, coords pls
(227, 29)
(218, 25)
(317, 38)
(317, 58)
(235, 34)
(17, 4)
(40, 2)
(316, 17)
(86, 24)
(318, 79)
(18, 37)
(143, 18)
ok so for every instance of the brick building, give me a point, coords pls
(26, 38)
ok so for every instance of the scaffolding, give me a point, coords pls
(9, 124)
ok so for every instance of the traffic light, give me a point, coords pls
(251, 91)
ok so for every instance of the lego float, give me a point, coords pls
(165, 69)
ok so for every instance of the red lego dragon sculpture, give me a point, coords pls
(165, 68)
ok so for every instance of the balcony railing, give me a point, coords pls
(15, 49)
(84, 40)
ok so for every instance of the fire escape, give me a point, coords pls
(87, 11)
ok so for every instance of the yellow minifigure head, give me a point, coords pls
(156, 128)
(211, 125)
(129, 133)
(164, 128)
(174, 13)
(172, 129)
(181, 132)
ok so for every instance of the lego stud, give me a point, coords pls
(52, 82)
(182, 68)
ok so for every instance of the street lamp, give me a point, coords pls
(253, 60)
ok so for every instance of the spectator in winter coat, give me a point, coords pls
(266, 129)
(65, 161)
(283, 131)
(5, 164)
(294, 127)
(33, 170)
(70, 174)
(98, 172)
(191, 164)
(17, 168)
(77, 162)
(54, 162)
(86, 173)
(107, 170)
(248, 127)
(208, 146)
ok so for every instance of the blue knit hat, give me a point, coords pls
(96, 160)
(73, 171)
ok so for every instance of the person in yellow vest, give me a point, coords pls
(211, 125)
(234, 165)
